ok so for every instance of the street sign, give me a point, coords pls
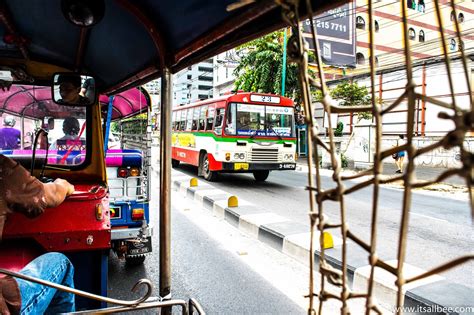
(336, 35)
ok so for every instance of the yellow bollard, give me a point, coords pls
(193, 182)
(232, 202)
(327, 240)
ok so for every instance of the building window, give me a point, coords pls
(411, 33)
(460, 18)
(360, 59)
(205, 69)
(421, 37)
(376, 26)
(189, 76)
(452, 44)
(360, 23)
(453, 16)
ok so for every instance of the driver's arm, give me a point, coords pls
(26, 194)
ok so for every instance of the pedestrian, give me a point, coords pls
(9, 137)
(400, 156)
(21, 192)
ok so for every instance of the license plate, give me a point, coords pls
(139, 247)
(287, 166)
(241, 166)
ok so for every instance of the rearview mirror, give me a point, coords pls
(73, 89)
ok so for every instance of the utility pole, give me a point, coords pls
(283, 72)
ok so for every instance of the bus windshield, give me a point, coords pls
(259, 120)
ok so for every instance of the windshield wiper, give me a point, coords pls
(270, 127)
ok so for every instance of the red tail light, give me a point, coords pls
(138, 214)
(122, 172)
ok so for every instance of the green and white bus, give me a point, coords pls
(238, 133)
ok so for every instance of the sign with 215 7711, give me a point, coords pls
(287, 166)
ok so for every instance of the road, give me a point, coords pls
(440, 227)
(227, 272)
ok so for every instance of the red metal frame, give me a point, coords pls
(90, 233)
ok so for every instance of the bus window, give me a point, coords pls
(174, 121)
(182, 122)
(250, 119)
(219, 121)
(195, 118)
(189, 119)
(202, 117)
(230, 121)
(279, 121)
(210, 118)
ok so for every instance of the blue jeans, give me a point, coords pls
(39, 299)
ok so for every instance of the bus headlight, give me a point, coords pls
(288, 157)
(239, 156)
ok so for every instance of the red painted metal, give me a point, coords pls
(70, 227)
(213, 164)
(16, 256)
(188, 156)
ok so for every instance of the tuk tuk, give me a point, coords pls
(128, 171)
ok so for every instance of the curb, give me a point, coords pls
(433, 295)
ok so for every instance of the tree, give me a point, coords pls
(351, 94)
(260, 68)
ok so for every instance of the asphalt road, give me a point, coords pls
(227, 272)
(440, 228)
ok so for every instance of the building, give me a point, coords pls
(429, 72)
(194, 83)
(224, 78)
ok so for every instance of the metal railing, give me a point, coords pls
(144, 302)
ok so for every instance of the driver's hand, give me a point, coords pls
(64, 183)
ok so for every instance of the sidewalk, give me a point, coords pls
(423, 173)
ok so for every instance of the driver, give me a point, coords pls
(21, 192)
(70, 88)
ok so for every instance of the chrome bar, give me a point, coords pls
(142, 282)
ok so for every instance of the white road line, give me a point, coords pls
(426, 216)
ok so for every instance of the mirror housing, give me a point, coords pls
(73, 89)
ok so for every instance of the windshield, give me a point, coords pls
(27, 109)
(260, 120)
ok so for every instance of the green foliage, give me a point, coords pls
(260, 69)
(136, 125)
(339, 129)
(344, 161)
(351, 94)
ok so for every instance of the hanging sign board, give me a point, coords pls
(336, 35)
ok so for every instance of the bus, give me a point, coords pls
(238, 133)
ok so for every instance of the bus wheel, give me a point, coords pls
(174, 163)
(206, 172)
(135, 260)
(261, 176)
